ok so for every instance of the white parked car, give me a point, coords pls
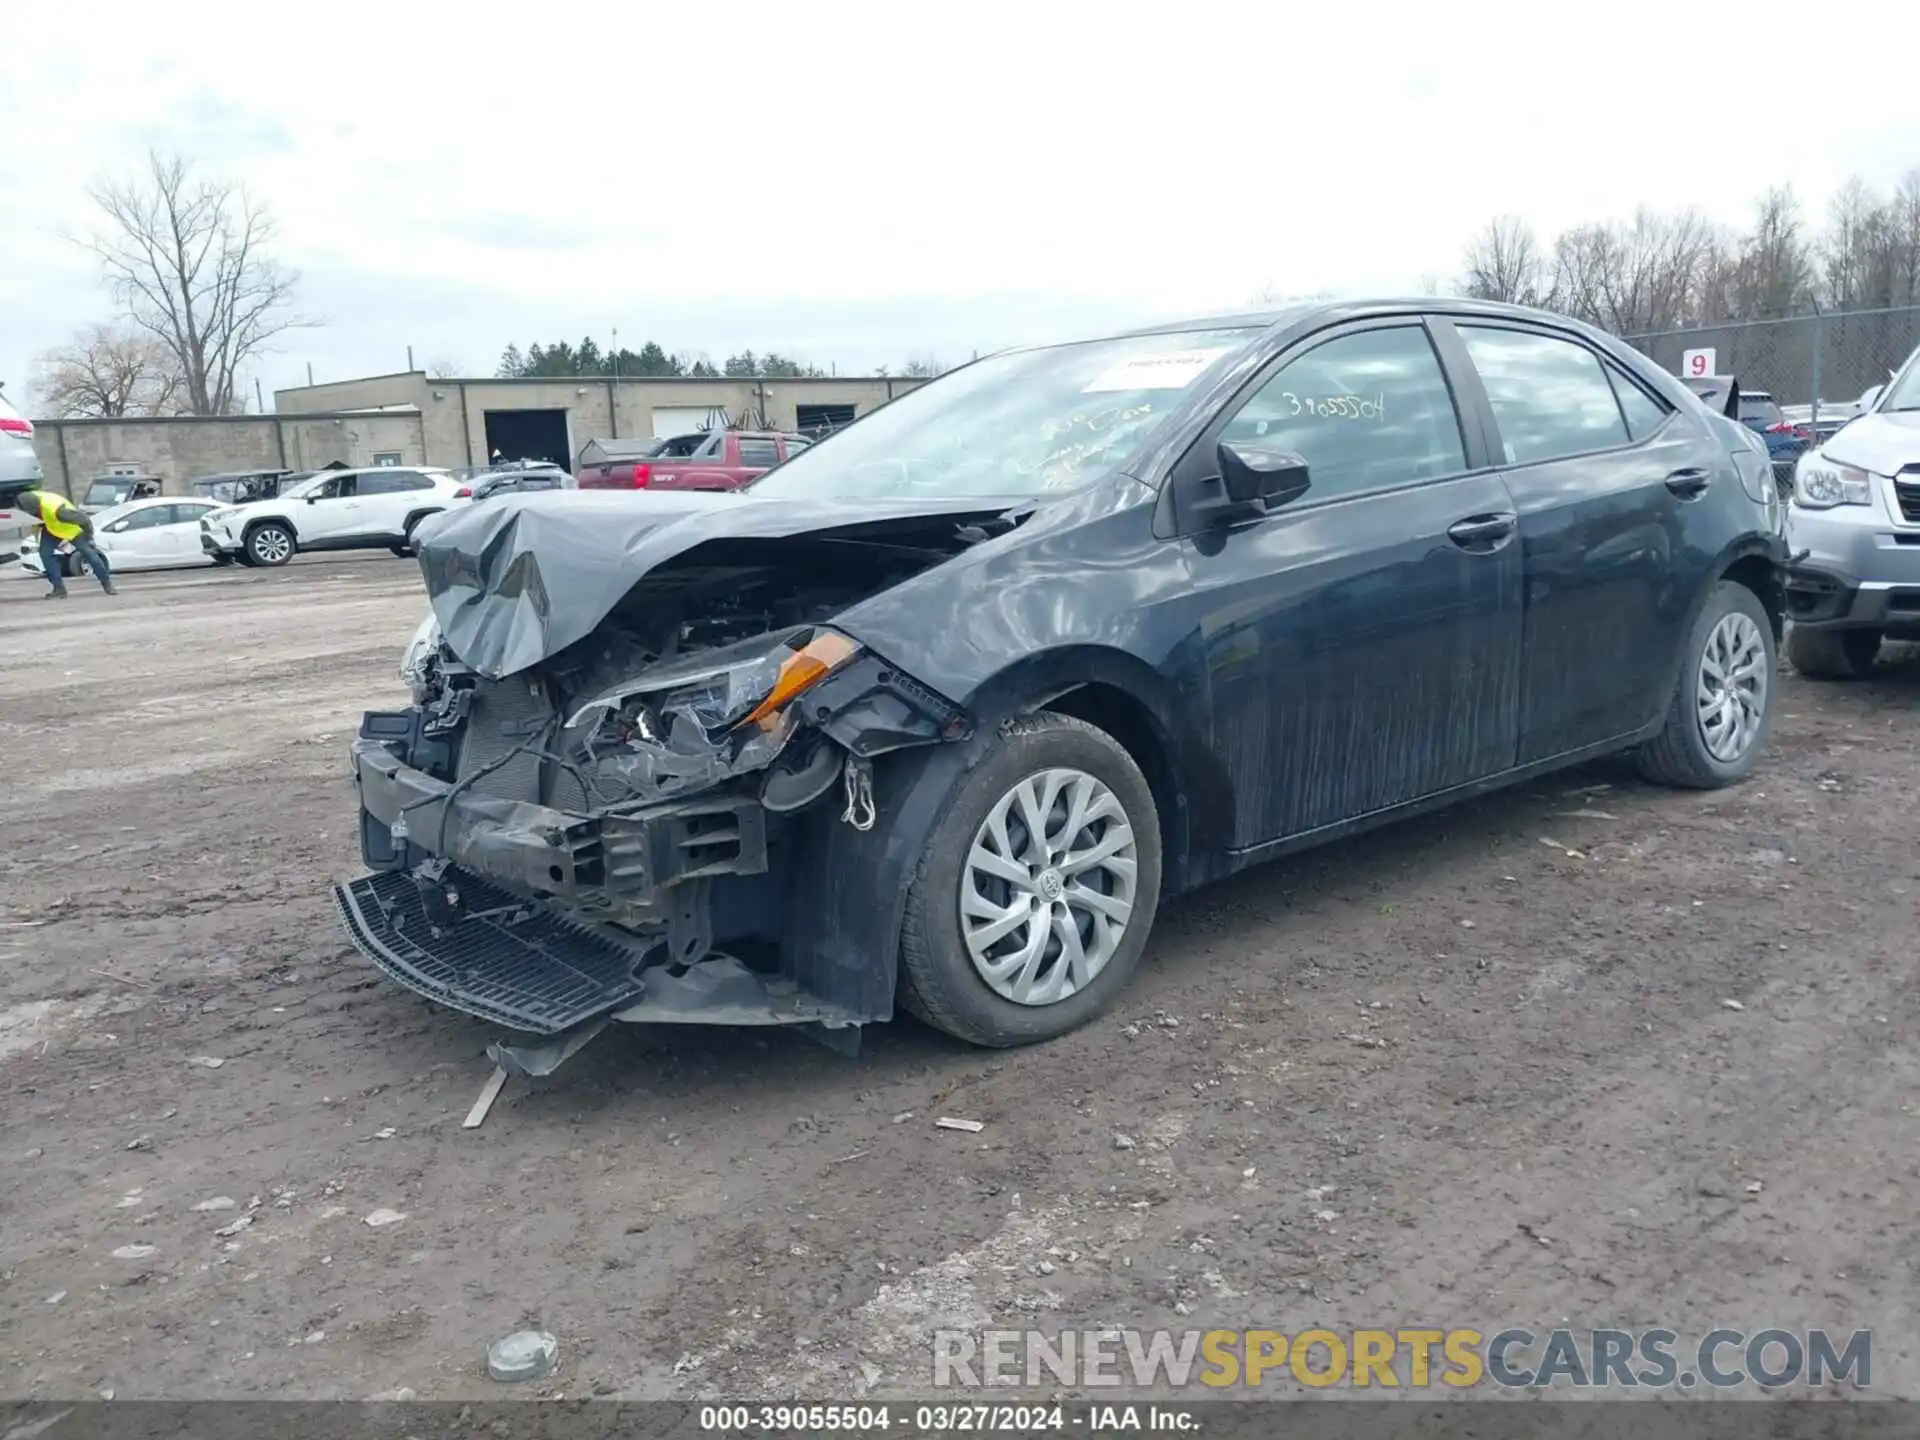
(372, 509)
(162, 533)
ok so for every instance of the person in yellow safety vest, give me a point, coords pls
(63, 523)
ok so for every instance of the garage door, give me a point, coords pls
(672, 420)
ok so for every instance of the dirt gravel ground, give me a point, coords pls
(1480, 1069)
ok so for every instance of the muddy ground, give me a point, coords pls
(1450, 1074)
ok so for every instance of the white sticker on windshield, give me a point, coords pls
(1175, 370)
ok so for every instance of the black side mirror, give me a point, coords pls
(313, 499)
(1253, 479)
(1251, 473)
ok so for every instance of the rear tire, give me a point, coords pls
(405, 548)
(270, 544)
(1722, 705)
(1833, 654)
(1069, 764)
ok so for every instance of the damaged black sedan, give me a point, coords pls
(938, 712)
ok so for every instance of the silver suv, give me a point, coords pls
(1854, 531)
(19, 467)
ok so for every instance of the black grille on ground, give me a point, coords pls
(503, 960)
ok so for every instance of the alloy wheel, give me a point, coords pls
(271, 546)
(1730, 697)
(1047, 890)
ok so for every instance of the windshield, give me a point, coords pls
(1903, 391)
(108, 492)
(1023, 423)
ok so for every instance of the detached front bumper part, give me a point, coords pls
(597, 864)
(517, 963)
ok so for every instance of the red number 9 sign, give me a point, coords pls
(1696, 364)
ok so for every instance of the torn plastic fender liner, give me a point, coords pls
(513, 583)
(842, 946)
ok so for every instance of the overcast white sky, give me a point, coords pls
(858, 184)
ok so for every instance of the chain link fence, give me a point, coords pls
(1826, 360)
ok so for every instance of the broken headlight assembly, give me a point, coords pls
(420, 649)
(685, 726)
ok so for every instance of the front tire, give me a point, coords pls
(270, 545)
(1833, 654)
(1722, 707)
(1037, 888)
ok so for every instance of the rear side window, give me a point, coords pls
(759, 453)
(1644, 413)
(1550, 397)
(1365, 410)
(393, 482)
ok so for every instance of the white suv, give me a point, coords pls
(1853, 529)
(374, 509)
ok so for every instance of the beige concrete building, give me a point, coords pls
(410, 419)
(463, 421)
(179, 449)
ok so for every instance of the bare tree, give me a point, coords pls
(106, 372)
(443, 368)
(1504, 262)
(1648, 273)
(191, 261)
(1776, 262)
(1903, 238)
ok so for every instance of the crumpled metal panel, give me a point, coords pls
(523, 577)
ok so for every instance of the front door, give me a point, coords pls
(327, 515)
(137, 541)
(1600, 470)
(1362, 642)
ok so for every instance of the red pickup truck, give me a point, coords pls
(719, 460)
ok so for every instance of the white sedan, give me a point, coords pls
(161, 533)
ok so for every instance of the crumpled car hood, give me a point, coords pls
(1884, 443)
(523, 577)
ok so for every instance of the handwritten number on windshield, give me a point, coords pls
(1336, 407)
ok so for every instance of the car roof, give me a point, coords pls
(378, 469)
(1278, 317)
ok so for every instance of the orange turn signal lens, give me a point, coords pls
(801, 671)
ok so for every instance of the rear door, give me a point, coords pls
(1362, 643)
(1600, 471)
(181, 532)
(388, 497)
